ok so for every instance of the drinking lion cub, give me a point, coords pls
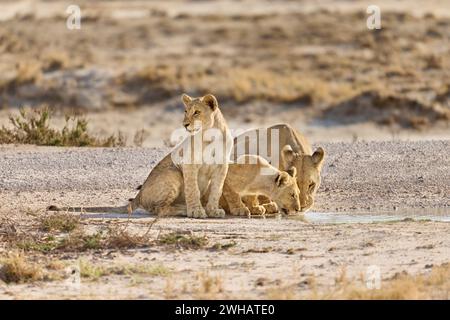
(253, 175)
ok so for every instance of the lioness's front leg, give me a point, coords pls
(192, 193)
(215, 191)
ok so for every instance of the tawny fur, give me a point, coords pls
(170, 184)
(247, 177)
(298, 154)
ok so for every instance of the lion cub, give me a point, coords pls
(253, 175)
(176, 180)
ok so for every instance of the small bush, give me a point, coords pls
(63, 222)
(35, 129)
(15, 268)
(183, 241)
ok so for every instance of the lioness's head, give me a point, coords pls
(308, 176)
(286, 193)
(199, 112)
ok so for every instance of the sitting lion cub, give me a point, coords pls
(253, 175)
(172, 183)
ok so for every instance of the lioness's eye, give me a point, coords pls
(311, 186)
(196, 113)
(293, 195)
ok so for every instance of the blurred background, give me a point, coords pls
(311, 63)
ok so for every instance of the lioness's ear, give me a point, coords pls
(281, 179)
(287, 154)
(292, 171)
(318, 156)
(185, 98)
(210, 101)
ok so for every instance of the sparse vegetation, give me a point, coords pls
(224, 246)
(64, 222)
(64, 232)
(35, 129)
(93, 272)
(435, 285)
(16, 268)
(208, 285)
(184, 241)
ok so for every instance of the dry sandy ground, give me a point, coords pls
(313, 64)
(267, 258)
(365, 95)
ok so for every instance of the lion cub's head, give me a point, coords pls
(287, 194)
(308, 168)
(199, 112)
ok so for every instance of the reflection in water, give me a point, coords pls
(440, 214)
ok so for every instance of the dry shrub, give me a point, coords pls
(64, 222)
(386, 109)
(247, 85)
(236, 84)
(35, 129)
(55, 60)
(183, 240)
(15, 268)
(119, 237)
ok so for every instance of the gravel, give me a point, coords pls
(361, 176)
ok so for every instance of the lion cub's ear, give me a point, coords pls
(186, 99)
(282, 179)
(287, 154)
(318, 156)
(292, 171)
(210, 101)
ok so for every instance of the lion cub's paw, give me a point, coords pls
(215, 212)
(240, 212)
(271, 207)
(196, 212)
(258, 210)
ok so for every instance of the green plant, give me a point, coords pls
(64, 222)
(35, 129)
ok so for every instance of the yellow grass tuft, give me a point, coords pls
(15, 268)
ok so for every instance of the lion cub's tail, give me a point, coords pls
(122, 209)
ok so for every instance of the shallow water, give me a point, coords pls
(438, 214)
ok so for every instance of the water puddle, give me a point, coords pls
(440, 215)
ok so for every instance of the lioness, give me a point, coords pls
(298, 154)
(246, 177)
(171, 183)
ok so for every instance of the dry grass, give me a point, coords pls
(55, 60)
(25, 72)
(16, 268)
(435, 285)
(63, 222)
(35, 129)
(239, 85)
(183, 241)
(209, 286)
(91, 271)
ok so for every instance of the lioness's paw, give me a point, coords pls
(258, 210)
(196, 212)
(240, 212)
(215, 212)
(271, 207)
